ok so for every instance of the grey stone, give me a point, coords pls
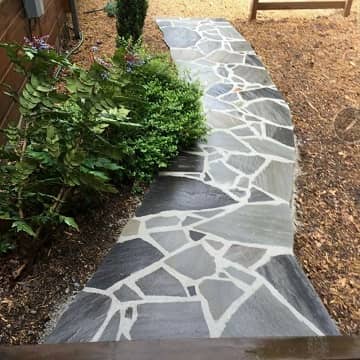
(222, 174)
(170, 240)
(190, 220)
(263, 315)
(286, 276)
(214, 157)
(126, 294)
(160, 221)
(258, 196)
(185, 54)
(265, 224)
(267, 147)
(219, 89)
(192, 290)
(240, 46)
(226, 141)
(82, 319)
(186, 162)
(211, 103)
(122, 260)
(202, 73)
(283, 135)
(230, 32)
(248, 164)
(180, 37)
(252, 75)
(222, 71)
(131, 228)
(244, 255)
(271, 111)
(179, 193)
(210, 36)
(195, 235)
(238, 193)
(208, 214)
(163, 23)
(111, 330)
(243, 132)
(230, 97)
(240, 275)
(215, 244)
(219, 294)
(261, 93)
(222, 56)
(129, 313)
(222, 121)
(209, 46)
(170, 321)
(253, 60)
(277, 179)
(193, 262)
(160, 283)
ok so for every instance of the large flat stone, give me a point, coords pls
(286, 276)
(247, 164)
(82, 319)
(123, 260)
(180, 37)
(112, 328)
(178, 193)
(263, 315)
(220, 120)
(170, 240)
(222, 174)
(193, 262)
(265, 224)
(283, 135)
(268, 147)
(244, 255)
(252, 74)
(187, 163)
(226, 141)
(277, 179)
(170, 321)
(261, 93)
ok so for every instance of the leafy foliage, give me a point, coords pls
(88, 130)
(110, 8)
(130, 18)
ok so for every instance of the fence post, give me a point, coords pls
(347, 7)
(253, 10)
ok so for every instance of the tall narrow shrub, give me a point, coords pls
(130, 18)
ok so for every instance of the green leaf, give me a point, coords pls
(69, 221)
(22, 226)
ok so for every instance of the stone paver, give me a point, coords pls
(209, 253)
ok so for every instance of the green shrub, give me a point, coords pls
(88, 130)
(130, 18)
(110, 8)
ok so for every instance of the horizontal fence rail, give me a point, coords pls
(322, 348)
(300, 5)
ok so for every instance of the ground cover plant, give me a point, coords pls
(86, 131)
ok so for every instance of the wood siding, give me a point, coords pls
(13, 28)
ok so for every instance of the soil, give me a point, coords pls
(313, 57)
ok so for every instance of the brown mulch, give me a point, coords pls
(61, 269)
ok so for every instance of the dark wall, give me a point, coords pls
(13, 28)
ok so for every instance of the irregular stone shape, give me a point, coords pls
(265, 224)
(208, 214)
(226, 141)
(112, 328)
(214, 157)
(248, 164)
(196, 235)
(219, 89)
(219, 294)
(258, 196)
(126, 294)
(163, 23)
(230, 97)
(211, 103)
(277, 179)
(252, 75)
(243, 182)
(271, 111)
(202, 73)
(230, 32)
(253, 60)
(263, 315)
(222, 174)
(192, 290)
(180, 37)
(193, 262)
(209, 46)
(286, 276)
(222, 71)
(160, 283)
(160, 221)
(170, 240)
(122, 260)
(190, 220)
(261, 93)
(240, 46)
(238, 193)
(186, 162)
(225, 57)
(244, 255)
(283, 135)
(185, 54)
(131, 228)
(178, 193)
(170, 321)
(221, 120)
(129, 313)
(82, 319)
(243, 132)
(240, 275)
(215, 244)
(267, 147)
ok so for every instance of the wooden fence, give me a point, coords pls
(300, 5)
(320, 348)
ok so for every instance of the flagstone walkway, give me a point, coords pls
(210, 251)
